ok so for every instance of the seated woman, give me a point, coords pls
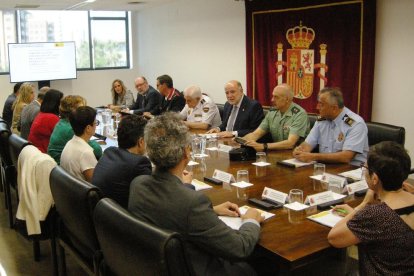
(26, 96)
(44, 123)
(384, 229)
(121, 97)
(63, 131)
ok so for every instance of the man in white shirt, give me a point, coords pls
(77, 157)
(200, 112)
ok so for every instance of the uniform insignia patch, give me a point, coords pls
(349, 121)
(198, 115)
(295, 110)
(203, 101)
(206, 109)
(340, 137)
(189, 112)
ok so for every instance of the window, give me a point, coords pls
(101, 37)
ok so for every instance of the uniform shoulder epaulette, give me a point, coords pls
(295, 110)
(348, 120)
(320, 119)
(203, 101)
(272, 109)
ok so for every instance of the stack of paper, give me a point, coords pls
(327, 218)
(199, 185)
(294, 163)
(236, 222)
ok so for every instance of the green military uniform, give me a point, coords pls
(293, 121)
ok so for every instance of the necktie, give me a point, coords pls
(232, 118)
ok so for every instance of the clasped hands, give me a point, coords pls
(300, 154)
(232, 210)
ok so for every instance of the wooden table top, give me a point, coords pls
(289, 237)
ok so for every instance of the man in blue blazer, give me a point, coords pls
(241, 115)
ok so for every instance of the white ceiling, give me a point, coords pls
(114, 5)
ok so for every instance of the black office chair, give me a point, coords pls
(221, 110)
(378, 132)
(75, 200)
(312, 119)
(133, 247)
(7, 169)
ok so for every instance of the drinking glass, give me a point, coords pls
(296, 195)
(198, 146)
(242, 176)
(261, 157)
(318, 169)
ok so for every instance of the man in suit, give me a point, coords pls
(7, 109)
(241, 115)
(119, 165)
(163, 200)
(147, 98)
(172, 99)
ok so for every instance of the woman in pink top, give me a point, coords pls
(45, 121)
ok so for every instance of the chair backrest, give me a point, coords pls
(312, 119)
(4, 144)
(133, 247)
(221, 110)
(75, 200)
(16, 144)
(378, 132)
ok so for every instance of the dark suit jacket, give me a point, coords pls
(147, 103)
(176, 104)
(248, 119)
(163, 200)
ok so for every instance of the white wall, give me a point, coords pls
(198, 42)
(393, 100)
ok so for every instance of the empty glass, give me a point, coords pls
(261, 157)
(318, 169)
(106, 117)
(296, 195)
(242, 176)
(198, 146)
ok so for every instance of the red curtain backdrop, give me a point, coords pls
(347, 28)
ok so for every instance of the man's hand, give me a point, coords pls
(225, 134)
(227, 209)
(303, 156)
(187, 177)
(255, 145)
(214, 130)
(125, 110)
(253, 213)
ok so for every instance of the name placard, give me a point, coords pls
(334, 180)
(223, 176)
(323, 197)
(274, 195)
(356, 187)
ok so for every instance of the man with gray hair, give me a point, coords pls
(147, 98)
(30, 112)
(200, 112)
(341, 134)
(163, 200)
(288, 123)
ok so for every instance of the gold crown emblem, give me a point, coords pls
(300, 37)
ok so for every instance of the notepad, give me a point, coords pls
(294, 163)
(327, 218)
(200, 185)
(236, 222)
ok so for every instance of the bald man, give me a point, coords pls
(147, 99)
(288, 123)
(241, 115)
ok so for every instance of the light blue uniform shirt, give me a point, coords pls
(347, 132)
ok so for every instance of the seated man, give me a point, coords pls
(8, 104)
(200, 112)
(341, 134)
(118, 166)
(77, 157)
(147, 99)
(241, 115)
(163, 200)
(172, 99)
(287, 124)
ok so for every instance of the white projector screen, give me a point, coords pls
(42, 61)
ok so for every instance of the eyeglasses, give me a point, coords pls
(97, 122)
(364, 169)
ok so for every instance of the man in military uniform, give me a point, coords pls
(200, 112)
(287, 123)
(341, 134)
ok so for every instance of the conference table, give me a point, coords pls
(288, 237)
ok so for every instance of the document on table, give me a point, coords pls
(236, 222)
(200, 185)
(327, 218)
(294, 163)
(354, 174)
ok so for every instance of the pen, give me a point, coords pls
(339, 210)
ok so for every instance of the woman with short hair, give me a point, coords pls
(384, 229)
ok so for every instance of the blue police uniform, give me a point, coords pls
(347, 132)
